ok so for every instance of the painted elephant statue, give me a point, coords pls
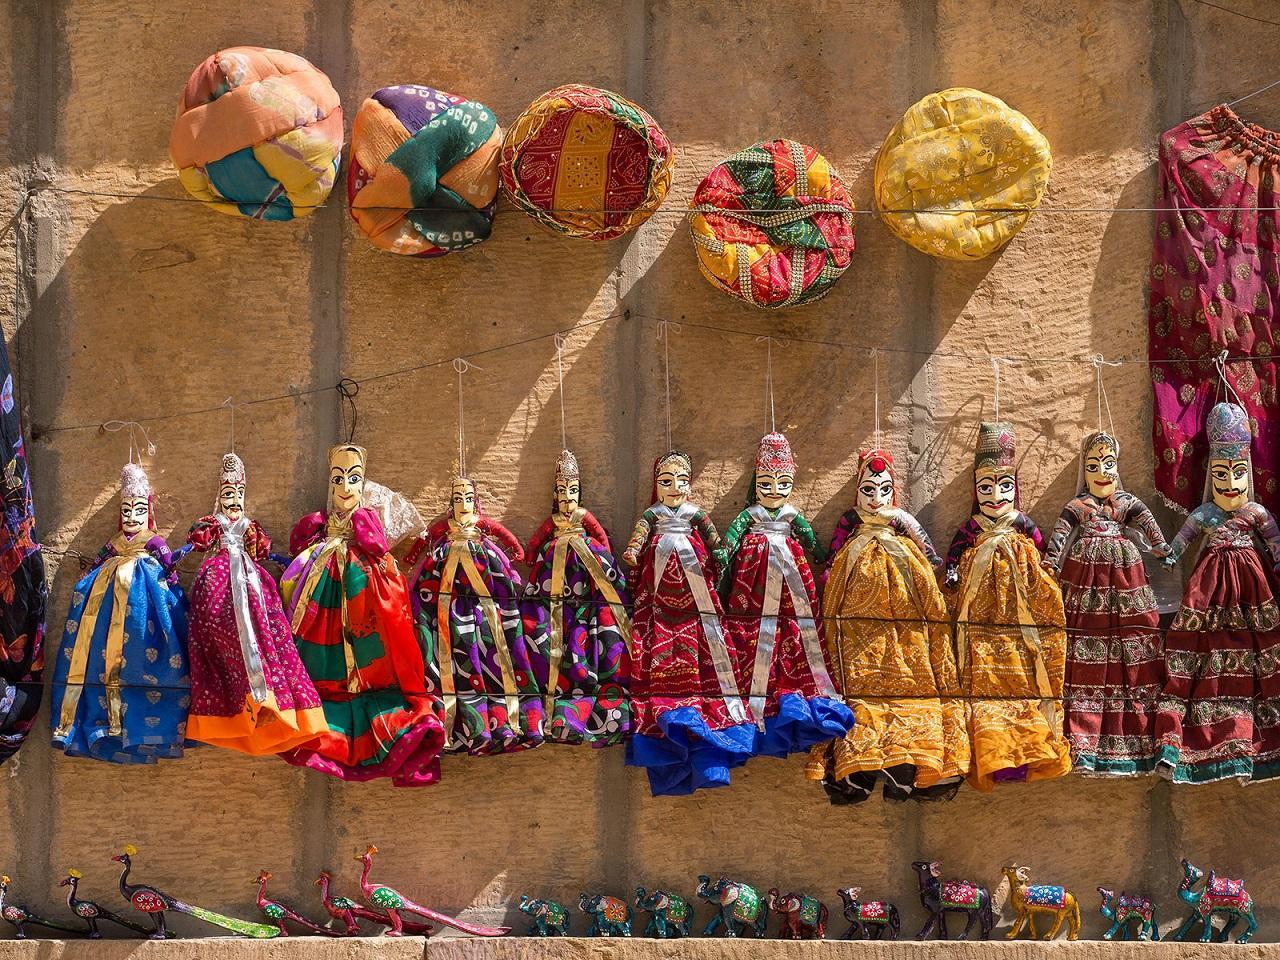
(1219, 895)
(1030, 900)
(546, 917)
(610, 917)
(740, 907)
(940, 897)
(800, 917)
(670, 915)
(1123, 912)
(865, 916)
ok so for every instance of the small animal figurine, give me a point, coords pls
(610, 917)
(546, 917)
(149, 900)
(671, 915)
(864, 916)
(1124, 911)
(91, 912)
(1219, 895)
(341, 908)
(381, 896)
(21, 917)
(1030, 899)
(741, 907)
(940, 897)
(800, 917)
(278, 913)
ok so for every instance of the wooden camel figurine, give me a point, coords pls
(278, 912)
(1220, 895)
(21, 917)
(1029, 899)
(346, 910)
(385, 898)
(91, 913)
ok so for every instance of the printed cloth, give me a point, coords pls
(258, 134)
(773, 225)
(586, 163)
(959, 893)
(1225, 888)
(1215, 286)
(1041, 895)
(960, 149)
(873, 910)
(23, 590)
(423, 175)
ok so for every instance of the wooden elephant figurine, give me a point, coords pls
(610, 917)
(864, 916)
(1124, 911)
(546, 917)
(671, 915)
(740, 907)
(1030, 899)
(1219, 895)
(800, 917)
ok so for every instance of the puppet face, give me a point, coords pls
(135, 515)
(231, 501)
(1229, 481)
(1101, 470)
(672, 483)
(875, 489)
(567, 495)
(996, 490)
(346, 480)
(462, 501)
(773, 490)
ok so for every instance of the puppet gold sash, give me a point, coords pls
(876, 527)
(460, 558)
(244, 580)
(116, 572)
(997, 537)
(338, 531)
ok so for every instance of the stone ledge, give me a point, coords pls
(218, 948)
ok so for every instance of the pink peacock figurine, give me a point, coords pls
(91, 913)
(347, 910)
(385, 898)
(21, 917)
(147, 899)
(278, 912)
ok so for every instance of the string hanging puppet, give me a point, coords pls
(1217, 711)
(120, 686)
(349, 611)
(249, 689)
(771, 606)
(887, 626)
(1009, 627)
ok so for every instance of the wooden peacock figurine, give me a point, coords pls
(149, 900)
(393, 902)
(20, 916)
(91, 913)
(341, 908)
(278, 913)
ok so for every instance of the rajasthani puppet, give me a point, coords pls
(1219, 712)
(691, 724)
(120, 688)
(349, 609)
(485, 652)
(249, 690)
(576, 578)
(771, 614)
(1115, 657)
(1009, 628)
(887, 626)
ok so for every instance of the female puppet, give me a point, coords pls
(1218, 711)
(1115, 658)
(887, 625)
(349, 609)
(120, 688)
(249, 690)
(485, 656)
(691, 723)
(771, 607)
(577, 579)
(1009, 628)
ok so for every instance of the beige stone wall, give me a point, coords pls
(130, 307)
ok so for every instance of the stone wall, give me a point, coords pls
(128, 307)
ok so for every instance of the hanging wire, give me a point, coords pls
(1099, 361)
(1224, 382)
(664, 334)
(995, 374)
(875, 390)
(347, 390)
(115, 426)
(462, 365)
(559, 341)
(768, 379)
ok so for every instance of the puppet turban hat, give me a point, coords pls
(961, 149)
(773, 225)
(423, 177)
(258, 134)
(586, 163)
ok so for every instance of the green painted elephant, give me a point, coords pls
(546, 917)
(671, 915)
(741, 907)
(610, 917)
